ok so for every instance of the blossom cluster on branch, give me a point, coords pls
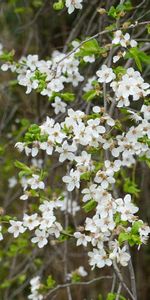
(95, 146)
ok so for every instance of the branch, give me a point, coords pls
(119, 275)
(118, 292)
(132, 275)
(99, 34)
(62, 286)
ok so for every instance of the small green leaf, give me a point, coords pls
(139, 57)
(123, 236)
(111, 296)
(22, 166)
(68, 97)
(86, 176)
(50, 282)
(131, 187)
(90, 95)
(119, 10)
(58, 5)
(90, 205)
(75, 277)
(22, 278)
(7, 56)
(119, 71)
(34, 128)
(136, 226)
(89, 48)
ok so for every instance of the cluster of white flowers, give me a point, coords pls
(47, 76)
(31, 183)
(124, 40)
(102, 227)
(44, 224)
(78, 140)
(66, 138)
(73, 4)
(131, 85)
(35, 286)
(91, 132)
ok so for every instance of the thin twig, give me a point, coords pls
(119, 291)
(62, 286)
(132, 275)
(119, 275)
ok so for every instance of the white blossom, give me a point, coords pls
(35, 182)
(72, 4)
(40, 238)
(16, 228)
(59, 106)
(72, 180)
(31, 221)
(105, 74)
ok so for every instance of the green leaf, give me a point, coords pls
(112, 12)
(5, 218)
(131, 187)
(119, 10)
(34, 128)
(123, 236)
(117, 218)
(58, 5)
(22, 10)
(7, 56)
(22, 278)
(50, 282)
(6, 284)
(134, 240)
(111, 27)
(89, 48)
(144, 57)
(75, 277)
(68, 97)
(119, 71)
(138, 62)
(37, 3)
(90, 95)
(22, 166)
(90, 205)
(111, 296)
(66, 234)
(86, 176)
(139, 57)
(136, 226)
